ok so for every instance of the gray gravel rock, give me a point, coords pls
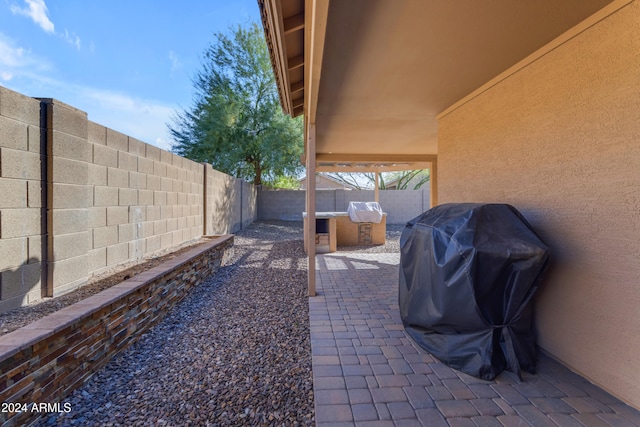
(235, 352)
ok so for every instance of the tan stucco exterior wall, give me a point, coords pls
(560, 140)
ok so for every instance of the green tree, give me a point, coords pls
(236, 123)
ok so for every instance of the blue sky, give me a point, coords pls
(127, 63)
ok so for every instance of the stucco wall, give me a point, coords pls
(560, 140)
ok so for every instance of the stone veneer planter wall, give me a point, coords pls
(46, 360)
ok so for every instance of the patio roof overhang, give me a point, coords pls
(372, 76)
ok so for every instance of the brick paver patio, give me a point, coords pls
(367, 372)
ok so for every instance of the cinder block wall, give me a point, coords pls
(78, 199)
(560, 140)
(21, 200)
(288, 205)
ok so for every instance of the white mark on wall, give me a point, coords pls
(138, 239)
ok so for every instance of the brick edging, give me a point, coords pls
(47, 359)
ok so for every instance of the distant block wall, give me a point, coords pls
(288, 205)
(78, 199)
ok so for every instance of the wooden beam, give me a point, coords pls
(297, 103)
(294, 23)
(374, 158)
(327, 167)
(295, 62)
(297, 86)
(310, 199)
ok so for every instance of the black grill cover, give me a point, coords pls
(467, 276)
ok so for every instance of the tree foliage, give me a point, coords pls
(236, 123)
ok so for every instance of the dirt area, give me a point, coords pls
(22, 316)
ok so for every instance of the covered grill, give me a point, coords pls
(468, 273)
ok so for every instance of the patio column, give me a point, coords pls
(376, 193)
(433, 182)
(311, 207)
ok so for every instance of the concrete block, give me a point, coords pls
(143, 230)
(137, 214)
(21, 281)
(105, 236)
(13, 252)
(70, 147)
(182, 199)
(182, 223)
(125, 233)
(66, 119)
(166, 212)
(179, 211)
(117, 177)
(105, 156)
(65, 221)
(166, 184)
(154, 182)
(97, 217)
(153, 213)
(105, 196)
(159, 169)
(153, 244)
(137, 249)
(35, 194)
(67, 246)
(166, 157)
(152, 153)
(35, 249)
(127, 196)
(145, 197)
(137, 147)
(97, 259)
(145, 165)
(177, 236)
(20, 223)
(166, 240)
(97, 175)
(172, 172)
(137, 180)
(127, 161)
(96, 134)
(68, 271)
(172, 198)
(117, 215)
(117, 140)
(159, 198)
(70, 196)
(36, 139)
(182, 175)
(19, 164)
(67, 171)
(14, 134)
(117, 254)
(172, 224)
(160, 227)
(16, 106)
(179, 186)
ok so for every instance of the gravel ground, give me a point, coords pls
(236, 351)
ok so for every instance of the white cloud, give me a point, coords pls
(37, 11)
(175, 62)
(72, 38)
(15, 60)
